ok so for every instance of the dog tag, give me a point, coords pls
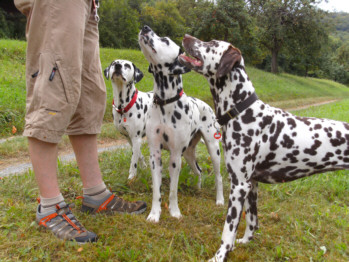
(124, 119)
(217, 135)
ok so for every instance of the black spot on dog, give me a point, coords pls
(273, 139)
(339, 140)
(236, 126)
(287, 142)
(312, 150)
(317, 126)
(266, 120)
(248, 117)
(291, 122)
(165, 136)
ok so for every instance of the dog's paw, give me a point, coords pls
(216, 259)
(220, 202)
(131, 177)
(154, 218)
(177, 214)
(243, 240)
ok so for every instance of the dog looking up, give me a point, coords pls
(130, 106)
(175, 122)
(261, 143)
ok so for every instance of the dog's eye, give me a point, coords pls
(127, 66)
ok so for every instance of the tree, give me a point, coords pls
(164, 18)
(342, 56)
(225, 20)
(119, 24)
(292, 24)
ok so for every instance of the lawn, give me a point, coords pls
(298, 220)
(305, 220)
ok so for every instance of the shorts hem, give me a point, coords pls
(48, 136)
(84, 131)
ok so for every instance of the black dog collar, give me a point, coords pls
(237, 109)
(160, 102)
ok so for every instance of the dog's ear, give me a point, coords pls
(106, 72)
(230, 59)
(138, 74)
(176, 68)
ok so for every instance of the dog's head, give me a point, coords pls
(161, 52)
(214, 58)
(123, 71)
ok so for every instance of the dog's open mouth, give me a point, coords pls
(188, 59)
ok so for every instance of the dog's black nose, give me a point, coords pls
(146, 29)
(117, 68)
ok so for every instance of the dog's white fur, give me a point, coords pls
(132, 123)
(177, 126)
(262, 143)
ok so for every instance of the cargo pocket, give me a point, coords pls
(51, 96)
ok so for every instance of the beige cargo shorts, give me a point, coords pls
(66, 92)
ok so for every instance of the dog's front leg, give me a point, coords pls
(156, 166)
(175, 166)
(239, 192)
(251, 214)
(136, 143)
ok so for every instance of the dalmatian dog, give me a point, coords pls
(261, 143)
(130, 106)
(175, 122)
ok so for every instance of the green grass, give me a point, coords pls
(279, 90)
(296, 219)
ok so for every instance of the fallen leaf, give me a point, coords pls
(274, 216)
(14, 130)
(166, 206)
(80, 249)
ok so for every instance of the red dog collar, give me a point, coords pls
(129, 106)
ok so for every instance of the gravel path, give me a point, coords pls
(21, 168)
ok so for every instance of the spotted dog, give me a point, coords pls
(175, 122)
(130, 106)
(261, 143)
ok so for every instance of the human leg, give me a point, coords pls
(43, 156)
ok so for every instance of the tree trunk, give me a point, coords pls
(274, 61)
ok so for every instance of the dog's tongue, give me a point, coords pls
(193, 61)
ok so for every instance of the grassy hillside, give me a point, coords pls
(274, 89)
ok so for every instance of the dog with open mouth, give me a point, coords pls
(130, 107)
(175, 122)
(261, 143)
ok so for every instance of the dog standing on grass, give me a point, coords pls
(261, 143)
(130, 106)
(175, 122)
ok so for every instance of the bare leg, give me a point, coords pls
(43, 156)
(85, 148)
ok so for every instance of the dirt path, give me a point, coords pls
(22, 164)
(307, 106)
